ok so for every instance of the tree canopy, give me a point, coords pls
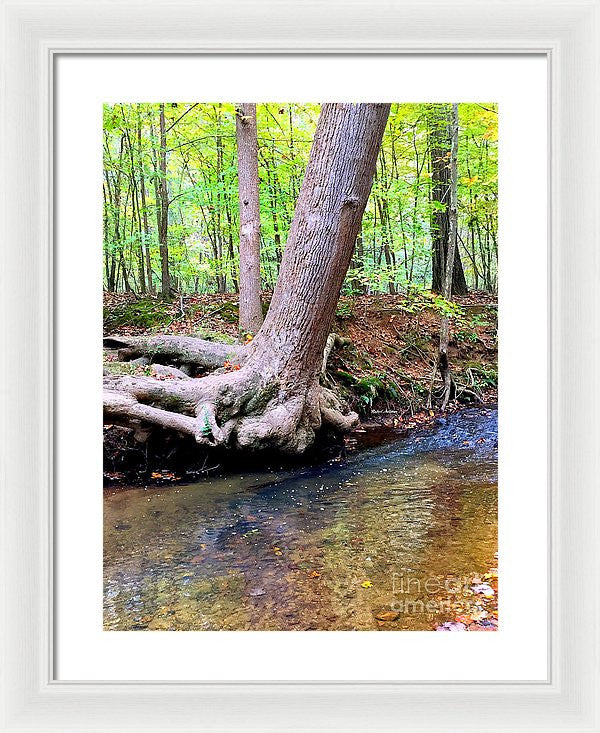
(190, 183)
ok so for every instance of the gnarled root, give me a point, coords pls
(247, 409)
(332, 412)
(333, 340)
(121, 406)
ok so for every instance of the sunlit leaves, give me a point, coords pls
(202, 185)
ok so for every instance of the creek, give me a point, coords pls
(399, 526)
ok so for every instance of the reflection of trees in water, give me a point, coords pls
(295, 556)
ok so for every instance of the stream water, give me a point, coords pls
(399, 528)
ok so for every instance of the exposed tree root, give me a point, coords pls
(333, 340)
(176, 350)
(120, 405)
(248, 409)
(332, 412)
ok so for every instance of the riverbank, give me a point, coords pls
(385, 370)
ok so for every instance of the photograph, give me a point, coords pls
(319, 362)
(300, 366)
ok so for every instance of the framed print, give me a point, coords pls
(295, 384)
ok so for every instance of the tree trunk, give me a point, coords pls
(146, 238)
(439, 147)
(163, 205)
(251, 315)
(451, 253)
(274, 400)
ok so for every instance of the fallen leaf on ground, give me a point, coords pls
(387, 616)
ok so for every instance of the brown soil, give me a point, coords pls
(385, 373)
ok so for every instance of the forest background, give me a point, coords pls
(171, 247)
(170, 195)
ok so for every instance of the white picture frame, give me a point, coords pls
(33, 34)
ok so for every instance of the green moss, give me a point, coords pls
(208, 335)
(229, 312)
(374, 387)
(120, 368)
(145, 313)
(346, 377)
(260, 399)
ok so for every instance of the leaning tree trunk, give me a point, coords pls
(274, 400)
(251, 315)
(439, 147)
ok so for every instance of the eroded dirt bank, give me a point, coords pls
(385, 371)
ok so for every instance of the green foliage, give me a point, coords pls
(204, 421)
(484, 375)
(418, 299)
(343, 310)
(393, 252)
(374, 387)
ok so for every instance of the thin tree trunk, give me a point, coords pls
(357, 262)
(146, 236)
(452, 248)
(439, 140)
(163, 203)
(251, 315)
(221, 271)
(230, 248)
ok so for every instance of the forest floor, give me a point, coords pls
(386, 373)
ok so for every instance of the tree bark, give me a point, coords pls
(163, 207)
(275, 401)
(452, 248)
(251, 315)
(439, 147)
(146, 239)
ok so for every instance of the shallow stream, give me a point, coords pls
(396, 529)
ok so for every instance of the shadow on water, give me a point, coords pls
(394, 527)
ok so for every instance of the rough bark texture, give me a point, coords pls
(439, 142)
(251, 315)
(274, 400)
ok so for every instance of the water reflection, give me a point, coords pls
(323, 548)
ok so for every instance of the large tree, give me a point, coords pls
(439, 120)
(251, 315)
(275, 400)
